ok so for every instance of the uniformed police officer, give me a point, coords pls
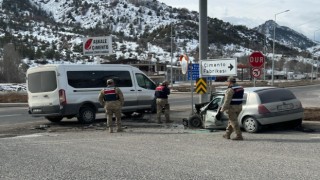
(111, 98)
(233, 106)
(161, 95)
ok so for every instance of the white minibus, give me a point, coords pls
(56, 91)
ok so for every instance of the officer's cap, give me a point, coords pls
(165, 83)
(110, 81)
(232, 79)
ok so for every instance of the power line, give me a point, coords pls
(307, 22)
(261, 2)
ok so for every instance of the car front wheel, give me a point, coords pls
(251, 125)
(194, 121)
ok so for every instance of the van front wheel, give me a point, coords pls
(55, 119)
(86, 115)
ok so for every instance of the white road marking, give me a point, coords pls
(10, 115)
(27, 136)
(32, 136)
(23, 123)
(315, 137)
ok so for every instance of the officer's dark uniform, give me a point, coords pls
(233, 106)
(111, 98)
(161, 95)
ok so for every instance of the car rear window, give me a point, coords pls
(42, 81)
(274, 95)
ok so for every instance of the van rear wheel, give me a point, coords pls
(55, 119)
(86, 115)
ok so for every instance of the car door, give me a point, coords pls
(210, 114)
(43, 90)
(145, 91)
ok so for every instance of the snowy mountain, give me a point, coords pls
(48, 30)
(285, 35)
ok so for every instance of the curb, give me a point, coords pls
(13, 105)
(311, 125)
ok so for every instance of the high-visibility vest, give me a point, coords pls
(161, 92)
(110, 94)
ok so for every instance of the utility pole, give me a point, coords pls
(171, 75)
(203, 39)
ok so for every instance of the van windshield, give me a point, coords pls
(145, 82)
(42, 81)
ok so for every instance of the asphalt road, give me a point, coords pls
(309, 96)
(160, 153)
(19, 115)
(150, 151)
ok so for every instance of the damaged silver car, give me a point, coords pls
(261, 106)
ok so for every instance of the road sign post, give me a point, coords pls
(184, 63)
(193, 72)
(256, 59)
(201, 86)
(219, 67)
(192, 87)
(256, 72)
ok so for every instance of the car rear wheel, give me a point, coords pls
(127, 114)
(296, 123)
(139, 114)
(251, 125)
(194, 121)
(55, 119)
(86, 115)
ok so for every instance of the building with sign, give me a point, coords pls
(157, 71)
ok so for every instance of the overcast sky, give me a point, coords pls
(303, 17)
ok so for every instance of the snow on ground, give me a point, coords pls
(9, 87)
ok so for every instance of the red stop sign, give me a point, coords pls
(256, 59)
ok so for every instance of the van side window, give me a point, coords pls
(97, 79)
(145, 82)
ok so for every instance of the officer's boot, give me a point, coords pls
(159, 120)
(167, 116)
(238, 137)
(109, 123)
(119, 129)
(227, 134)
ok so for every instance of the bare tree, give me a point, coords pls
(280, 64)
(291, 65)
(10, 65)
(301, 67)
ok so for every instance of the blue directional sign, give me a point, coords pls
(194, 70)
